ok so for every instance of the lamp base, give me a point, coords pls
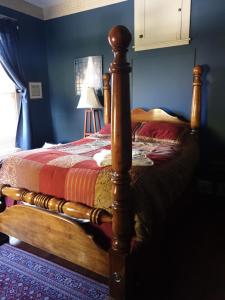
(92, 122)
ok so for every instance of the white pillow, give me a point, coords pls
(49, 145)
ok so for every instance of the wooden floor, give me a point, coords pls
(192, 257)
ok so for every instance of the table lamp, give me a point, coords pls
(90, 102)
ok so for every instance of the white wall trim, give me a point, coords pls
(68, 8)
(24, 7)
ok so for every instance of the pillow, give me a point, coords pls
(161, 131)
(106, 130)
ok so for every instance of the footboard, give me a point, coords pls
(39, 223)
(54, 234)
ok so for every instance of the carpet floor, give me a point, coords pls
(27, 276)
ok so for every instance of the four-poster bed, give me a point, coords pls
(46, 222)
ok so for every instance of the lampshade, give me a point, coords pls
(89, 99)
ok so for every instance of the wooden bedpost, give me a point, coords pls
(2, 200)
(3, 237)
(119, 39)
(107, 98)
(196, 99)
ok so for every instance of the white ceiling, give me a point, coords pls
(50, 9)
(46, 3)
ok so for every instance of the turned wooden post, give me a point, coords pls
(3, 237)
(119, 39)
(2, 200)
(107, 98)
(196, 99)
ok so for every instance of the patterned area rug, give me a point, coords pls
(26, 276)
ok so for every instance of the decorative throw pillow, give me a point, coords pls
(106, 130)
(161, 131)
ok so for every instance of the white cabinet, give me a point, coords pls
(161, 23)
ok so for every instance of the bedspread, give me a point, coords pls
(69, 171)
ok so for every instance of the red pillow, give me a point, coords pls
(107, 129)
(161, 131)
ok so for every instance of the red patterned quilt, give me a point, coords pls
(69, 171)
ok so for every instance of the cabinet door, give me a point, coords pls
(160, 23)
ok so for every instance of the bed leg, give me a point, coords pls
(3, 237)
(2, 204)
(120, 282)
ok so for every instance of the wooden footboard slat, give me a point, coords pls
(56, 235)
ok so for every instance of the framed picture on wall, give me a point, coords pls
(35, 90)
(88, 73)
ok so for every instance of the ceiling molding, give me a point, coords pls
(51, 12)
(24, 7)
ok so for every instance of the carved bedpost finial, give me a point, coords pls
(122, 221)
(119, 38)
(197, 70)
(107, 98)
(196, 99)
(106, 78)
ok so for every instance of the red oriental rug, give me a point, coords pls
(26, 276)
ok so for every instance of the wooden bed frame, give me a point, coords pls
(40, 225)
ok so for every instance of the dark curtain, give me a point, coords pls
(9, 58)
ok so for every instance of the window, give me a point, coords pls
(88, 73)
(9, 112)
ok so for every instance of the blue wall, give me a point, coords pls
(160, 77)
(34, 62)
(71, 37)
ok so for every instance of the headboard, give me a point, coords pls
(157, 114)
